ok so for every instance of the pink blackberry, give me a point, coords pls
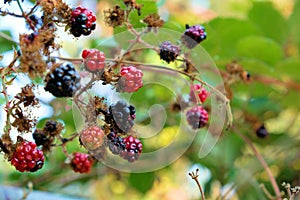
(81, 162)
(93, 60)
(197, 117)
(92, 137)
(83, 22)
(115, 143)
(122, 116)
(168, 51)
(27, 157)
(193, 35)
(133, 149)
(131, 79)
(200, 91)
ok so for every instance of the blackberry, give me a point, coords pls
(81, 162)
(93, 60)
(123, 115)
(193, 35)
(133, 148)
(62, 81)
(131, 79)
(27, 157)
(115, 143)
(262, 132)
(197, 117)
(40, 137)
(200, 91)
(83, 22)
(168, 51)
(92, 137)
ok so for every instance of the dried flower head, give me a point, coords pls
(153, 20)
(114, 17)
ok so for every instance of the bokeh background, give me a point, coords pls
(263, 36)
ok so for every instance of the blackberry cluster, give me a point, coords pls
(200, 91)
(92, 137)
(81, 162)
(116, 144)
(123, 115)
(93, 60)
(27, 157)
(168, 51)
(197, 117)
(262, 132)
(193, 35)
(63, 81)
(131, 79)
(40, 137)
(83, 22)
(133, 149)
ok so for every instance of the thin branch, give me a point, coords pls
(262, 162)
(195, 176)
(7, 37)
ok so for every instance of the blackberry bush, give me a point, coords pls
(62, 81)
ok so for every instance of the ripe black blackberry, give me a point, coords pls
(262, 132)
(193, 35)
(116, 144)
(40, 137)
(168, 51)
(123, 115)
(62, 81)
(83, 22)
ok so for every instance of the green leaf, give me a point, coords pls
(224, 33)
(6, 45)
(294, 24)
(142, 182)
(269, 20)
(260, 48)
(289, 67)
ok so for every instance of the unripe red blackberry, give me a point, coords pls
(197, 117)
(193, 35)
(115, 143)
(197, 89)
(262, 132)
(133, 148)
(123, 115)
(27, 157)
(83, 22)
(81, 162)
(168, 51)
(131, 79)
(92, 137)
(93, 60)
(62, 81)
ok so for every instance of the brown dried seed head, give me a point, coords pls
(114, 17)
(153, 20)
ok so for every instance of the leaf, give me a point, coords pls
(142, 181)
(294, 24)
(224, 33)
(269, 20)
(289, 67)
(6, 45)
(260, 48)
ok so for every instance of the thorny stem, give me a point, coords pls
(195, 176)
(262, 162)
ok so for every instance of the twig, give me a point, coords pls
(3, 35)
(263, 163)
(195, 176)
